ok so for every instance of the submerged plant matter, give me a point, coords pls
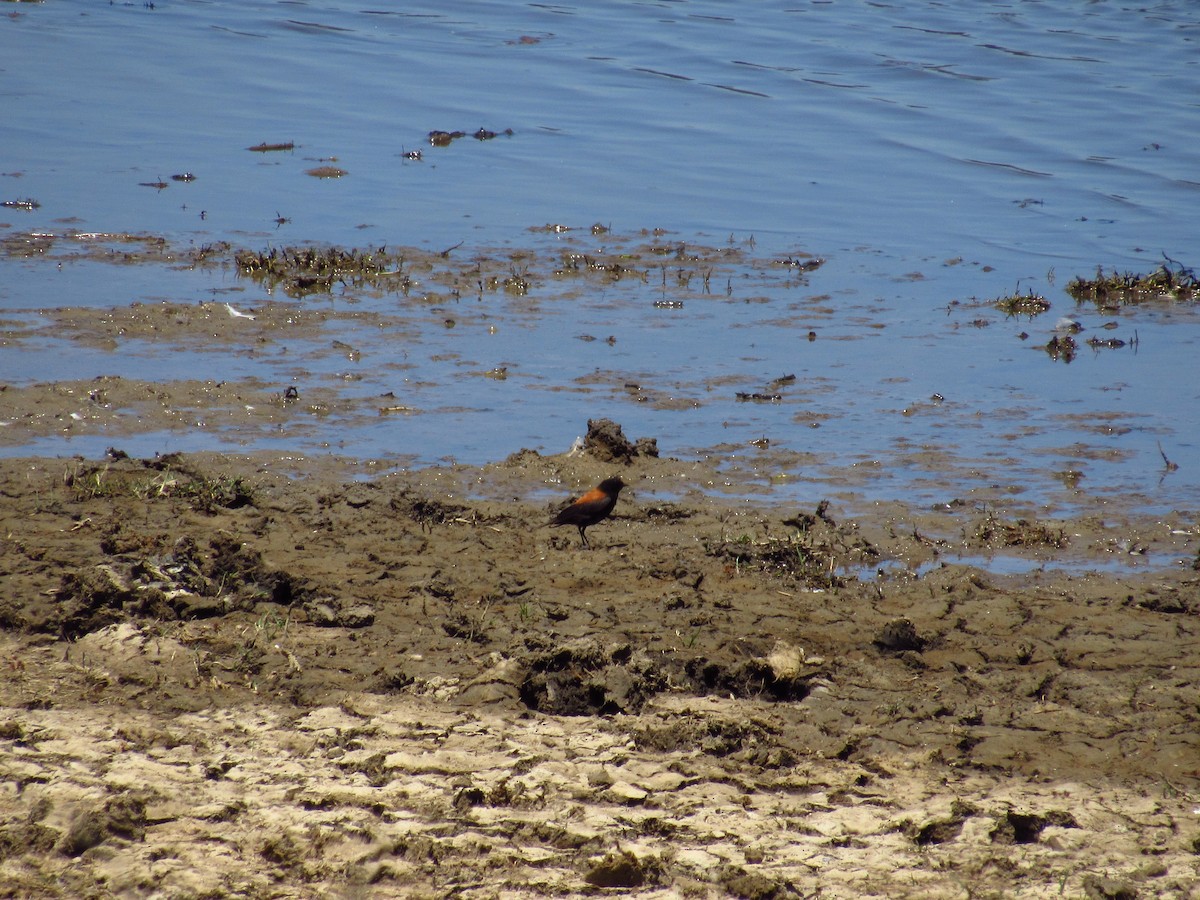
(1170, 281)
(1027, 304)
(676, 266)
(310, 270)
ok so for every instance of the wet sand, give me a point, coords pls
(283, 677)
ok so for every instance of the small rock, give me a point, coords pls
(750, 885)
(188, 605)
(628, 794)
(325, 613)
(87, 831)
(1097, 888)
(112, 579)
(785, 660)
(322, 614)
(359, 616)
(664, 781)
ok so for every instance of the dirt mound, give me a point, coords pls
(606, 441)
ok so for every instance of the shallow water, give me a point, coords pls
(934, 157)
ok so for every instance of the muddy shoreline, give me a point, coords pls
(407, 357)
(300, 674)
(250, 674)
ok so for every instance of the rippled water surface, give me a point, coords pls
(936, 156)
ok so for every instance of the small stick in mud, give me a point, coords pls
(592, 507)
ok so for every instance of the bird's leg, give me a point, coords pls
(583, 537)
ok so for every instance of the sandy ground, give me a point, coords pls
(244, 676)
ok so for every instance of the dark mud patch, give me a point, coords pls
(583, 678)
(122, 817)
(943, 830)
(28, 204)
(183, 583)
(1026, 828)
(899, 636)
(752, 742)
(169, 475)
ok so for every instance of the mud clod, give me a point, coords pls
(752, 678)
(619, 869)
(941, 831)
(123, 817)
(753, 886)
(582, 678)
(186, 583)
(1026, 828)
(606, 441)
(899, 636)
(1100, 887)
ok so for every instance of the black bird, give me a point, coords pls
(592, 507)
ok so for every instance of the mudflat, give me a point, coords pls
(230, 674)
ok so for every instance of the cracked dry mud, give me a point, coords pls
(224, 678)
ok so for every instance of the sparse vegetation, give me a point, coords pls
(812, 554)
(1027, 304)
(314, 270)
(1170, 281)
(1020, 533)
(89, 481)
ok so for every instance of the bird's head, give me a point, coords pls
(612, 485)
